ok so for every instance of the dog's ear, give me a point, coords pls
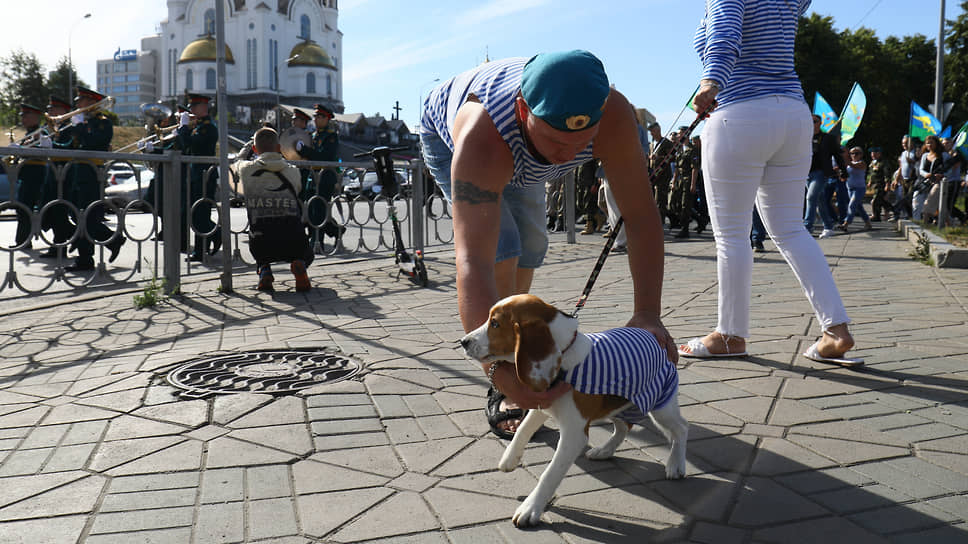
(536, 356)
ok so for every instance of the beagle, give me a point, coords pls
(618, 375)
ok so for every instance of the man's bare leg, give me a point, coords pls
(511, 280)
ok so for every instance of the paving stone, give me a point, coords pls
(777, 456)
(188, 413)
(207, 433)
(349, 441)
(281, 411)
(180, 457)
(44, 437)
(42, 531)
(85, 432)
(314, 477)
(819, 530)
(709, 533)
(402, 513)
(220, 523)
(329, 413)
(411, 481)
(24, 418)
(816, 481)
(460, 508)
(271, 518)
(161, 536)
(380, 460)
(402, 431)
(118, 452)
(346, 426)
(137, 520)
(122, 401)
(291, 438)
(705, 496)
(229, 407)
(125, 426)
(151, 482)
(937, 535)
(229, 452)
(320, 514)
(339, 399)
(76, 497)
(479, 455)
(222, 485)
(141, 500)
(25, 462)
(69, 458)
(908, 517)
(916, 477)
(762, 502)
(387, 385)
(391, 406)
(267, 482)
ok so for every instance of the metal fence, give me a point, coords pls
(424, 218)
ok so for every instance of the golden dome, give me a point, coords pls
(203, 50)
(310, 54)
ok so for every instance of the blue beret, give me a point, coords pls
(567, 90)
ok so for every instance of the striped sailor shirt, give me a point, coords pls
(496, 85)
(630, 363)
(746, 46)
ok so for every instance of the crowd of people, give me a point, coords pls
(72, 198)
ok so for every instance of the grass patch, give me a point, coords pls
(152, 294)
(922, 250)
(956, 236)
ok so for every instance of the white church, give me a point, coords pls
(278, 51)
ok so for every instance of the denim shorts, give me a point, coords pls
(523, 233)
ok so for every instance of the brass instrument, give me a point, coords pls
(288, 139)
(54, 120)
(160, 135)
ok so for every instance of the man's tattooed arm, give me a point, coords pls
(466, 191)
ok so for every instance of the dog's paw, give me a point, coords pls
(676, 466)
(600, 453)
(528, 514)
(509, 462)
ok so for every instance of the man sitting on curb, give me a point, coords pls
(276, 229)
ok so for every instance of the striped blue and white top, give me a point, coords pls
(496, 85)
(630, 363)
(747, 47)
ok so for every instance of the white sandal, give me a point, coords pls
(814, 355)
(697, 350)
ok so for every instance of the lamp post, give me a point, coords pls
(278, 101)
(70, 63)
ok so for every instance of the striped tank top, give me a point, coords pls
(747, 47)
(630, 363)
(496, 85)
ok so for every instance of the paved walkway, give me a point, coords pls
(94, 446)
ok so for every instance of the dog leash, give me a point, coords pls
(618, 224)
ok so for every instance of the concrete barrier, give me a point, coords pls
(945, 254)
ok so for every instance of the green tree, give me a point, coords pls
(59, 80)
(956, 67)
(21, 80)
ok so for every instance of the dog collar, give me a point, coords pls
(561, 373)
(573, 338)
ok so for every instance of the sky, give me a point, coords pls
(395, 50)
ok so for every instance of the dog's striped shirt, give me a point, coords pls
(496, 85)
(630, 363)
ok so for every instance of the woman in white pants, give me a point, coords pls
(757, 146)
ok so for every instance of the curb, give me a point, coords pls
(945, 254)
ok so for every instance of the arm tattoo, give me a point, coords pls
(466, 191)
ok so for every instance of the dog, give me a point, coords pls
(545, 346)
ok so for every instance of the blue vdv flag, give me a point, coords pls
(828, 118)
(923, 124)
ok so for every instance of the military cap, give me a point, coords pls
(27, 108)
(321, 109)
(197, 99)
(566, 89)
(83, 92)
(57, 102)
(875, 149)
(300, 113)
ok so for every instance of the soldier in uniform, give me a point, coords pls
(877, 180)
(30, 186)
(199, 138)
(684, 181)
(155, 195)
(325, 147)
(660, 179)
(56, 217)
(88, 132)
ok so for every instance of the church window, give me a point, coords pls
(304, 27)
(210, 78)
(210, 22)
(310, 83)
(189, 80)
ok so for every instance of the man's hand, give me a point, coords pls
(653, 324)
(521, 395)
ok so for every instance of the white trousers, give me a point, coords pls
(613, 214)
(760, 150)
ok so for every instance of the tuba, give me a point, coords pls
(288, 139)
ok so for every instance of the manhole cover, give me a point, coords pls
(272, 372)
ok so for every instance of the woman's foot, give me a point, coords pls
(717, 345)
(835, 342)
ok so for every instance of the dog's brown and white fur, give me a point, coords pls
(541, 341)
